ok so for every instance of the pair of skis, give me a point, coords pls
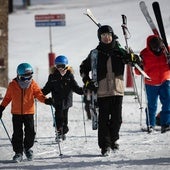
(158, 16)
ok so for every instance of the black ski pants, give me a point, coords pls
(23, 138)
(110, 119)
(61, 118)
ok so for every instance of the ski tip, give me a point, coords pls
(88, 10)
(155, 3)
(141, 2)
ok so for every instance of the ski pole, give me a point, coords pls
(141, 97)
(147, 111)
(36, 120)
(6, 131)
(84, 120)
(125, 30)
(59, 147)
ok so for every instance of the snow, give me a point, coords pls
(27, 43)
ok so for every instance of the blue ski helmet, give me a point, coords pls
(61, 59)
(24, 69)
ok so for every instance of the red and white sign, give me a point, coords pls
(50, 17)
(50, 20)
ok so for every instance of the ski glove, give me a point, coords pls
(91, 85)
(49, 101)
(133, 59)
(1, 110)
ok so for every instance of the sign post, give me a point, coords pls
(50, 20)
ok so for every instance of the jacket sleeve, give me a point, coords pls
(85, 68)
(38, 93)
(75, 87)
(7, 98)
(47, 88)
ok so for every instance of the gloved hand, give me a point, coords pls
(49, 101)
(1, 110)
(133, 59)
(91, 85)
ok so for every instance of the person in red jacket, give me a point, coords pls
(21, 92)
(157, 66)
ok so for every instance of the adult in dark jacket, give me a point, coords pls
(61, 84)
(111, 61)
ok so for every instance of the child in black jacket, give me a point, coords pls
(61, 84)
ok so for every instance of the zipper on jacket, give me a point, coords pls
(22, 100)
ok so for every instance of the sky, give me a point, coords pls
(28, 43)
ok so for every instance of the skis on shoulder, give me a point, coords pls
(148, 18)
(158, 16)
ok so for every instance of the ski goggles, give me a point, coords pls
(25, 77)
(61, 66)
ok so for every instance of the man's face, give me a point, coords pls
(106, 38)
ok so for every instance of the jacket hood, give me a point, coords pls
(148, 40)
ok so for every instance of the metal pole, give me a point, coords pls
(6, 131)
(50, 37)
(84, 120)
(36, 120)
(56, 130)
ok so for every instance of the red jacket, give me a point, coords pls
(22, 99)
(155, 66)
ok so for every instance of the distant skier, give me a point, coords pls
(61, 84)
(155, 64)
(111, 61)
(21, 92)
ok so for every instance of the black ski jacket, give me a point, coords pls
(62, 88)
(119, 57)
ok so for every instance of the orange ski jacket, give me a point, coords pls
(22, 99)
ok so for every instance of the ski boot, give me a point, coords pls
(105, 151)
(29, 154)
(17, 157)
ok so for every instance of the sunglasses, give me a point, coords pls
(61, 66)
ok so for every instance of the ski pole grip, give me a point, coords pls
(124, 23)
(124, 19)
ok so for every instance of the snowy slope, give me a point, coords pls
(138, 150)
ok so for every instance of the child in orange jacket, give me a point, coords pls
(21, 92)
